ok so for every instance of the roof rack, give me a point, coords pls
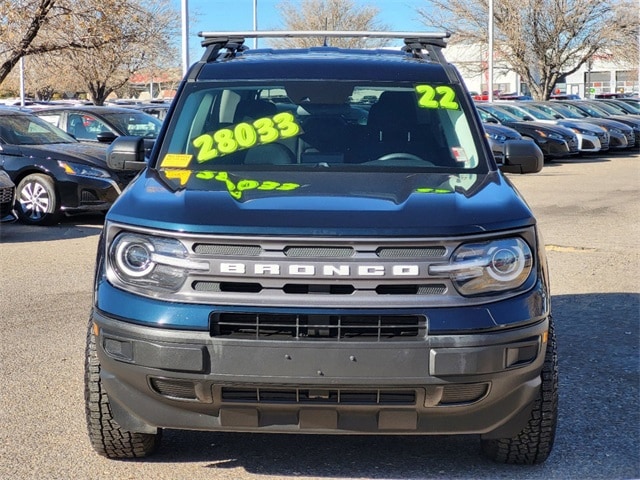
(415, 42)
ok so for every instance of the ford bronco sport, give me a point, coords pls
(322, 242)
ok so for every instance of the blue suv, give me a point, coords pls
(322, 242)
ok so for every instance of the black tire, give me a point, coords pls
(36, 200)
(534, 443)
(107, 437)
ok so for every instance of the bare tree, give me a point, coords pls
(35, 27)
(329, 15)
(141, 39)
(543, 39)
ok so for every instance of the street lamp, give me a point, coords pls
(22, 96)
(185, 35)
(490, 80)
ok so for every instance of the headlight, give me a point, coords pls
(81, 170)
(545, 134)
(149, 261)
(497, 137)
(583, 131)
(483, 268)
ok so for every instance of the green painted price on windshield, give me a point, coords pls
(245, 135)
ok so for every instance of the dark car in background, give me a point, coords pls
(591, 109)
(154, 108)
(7, 197)
(54, 173)
(90, 123)
(618, 132)
(554, 141)
(498, 135)
(622, 107)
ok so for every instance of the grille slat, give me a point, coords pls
(318, 396)
(181, 389)
(463, 393)
(6, 194)
(228, 250)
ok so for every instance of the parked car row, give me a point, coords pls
(565, 128)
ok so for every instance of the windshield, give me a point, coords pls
(321, 124)
(536, 112)
(502, 115)
(30, 130)
(629, 107)
(587, 109)
(138, 124)
(566, 111)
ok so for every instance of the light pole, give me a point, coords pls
(490, 80)
(185, 36)
(22, 81)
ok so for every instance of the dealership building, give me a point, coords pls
(600, 75)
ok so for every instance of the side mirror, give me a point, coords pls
(126, 153)
(106, 137)
(522, 156)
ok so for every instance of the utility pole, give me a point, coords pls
(22, 81)
(490, 80)
(185, 36)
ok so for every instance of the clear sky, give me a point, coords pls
(223, 15)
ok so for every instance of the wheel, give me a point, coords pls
(36, 200)
(534, 443)
(107, 437)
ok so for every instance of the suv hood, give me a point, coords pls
(317, 203)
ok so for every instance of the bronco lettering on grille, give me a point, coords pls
(320, 270)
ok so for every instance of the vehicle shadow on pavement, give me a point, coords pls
(598, 430)
(69, 228)
(558, 162)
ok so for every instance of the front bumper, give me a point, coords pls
(589, 143)
(481, 383)
(85, 194)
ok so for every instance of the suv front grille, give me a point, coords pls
(327, 272)
(264, 326)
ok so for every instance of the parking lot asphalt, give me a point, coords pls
(588, 209)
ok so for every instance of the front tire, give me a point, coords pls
(107, 437)
(534, 443)
(36, 200)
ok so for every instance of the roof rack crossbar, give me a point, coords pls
(426, 36)
(415, 42)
